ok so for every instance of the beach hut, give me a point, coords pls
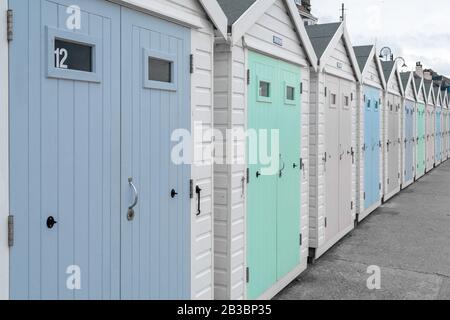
(409, 113)
(445, 126)
(333, 137)
(369, 160)
(262, 81)
(392, 146)
(421, 136)
(438, 125)
(100, 206)
(430, 124)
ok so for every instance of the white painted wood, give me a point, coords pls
(4, 155)
(216, 15)
(372, 75)
(230, 112)
(265, 16)
(339, 50)
(185, 12)
(202, 99)
(339, 46)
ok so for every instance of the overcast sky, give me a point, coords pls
(412, 30)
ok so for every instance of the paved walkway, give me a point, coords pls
(408, 238)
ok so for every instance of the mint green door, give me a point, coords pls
(273, 199)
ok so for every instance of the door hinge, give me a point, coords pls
(248, 76)
(10, 231)
(326, 222)
(326, 91)
(364, 99)
(247, 275)
(351, 96)
(191, 63)
(301, 240)
(248, 176)
(191, 189)
(9, 24)
(379, 186)
(364, 196)
(399, 175)
(351, 205)
(301, 87)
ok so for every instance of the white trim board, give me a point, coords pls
(158, 8)
(259, 8)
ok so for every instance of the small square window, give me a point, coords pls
(376, 105)
(290, 93)
(264, 89)
(159, 70)
(368, 104)
(346, 101)
(333, 99)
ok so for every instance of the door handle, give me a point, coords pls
(198, 191)
(131, 213)
(283, 167)
(51, 222)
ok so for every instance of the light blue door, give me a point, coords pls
(93, 104)
(65, 151)
(156, 244)
(371, 146)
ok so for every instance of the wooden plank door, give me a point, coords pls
(346, 156)
(289, 193)
(65, 150)
(156, 239)
(263, 96)
(331, 157)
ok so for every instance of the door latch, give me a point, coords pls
(198, 191)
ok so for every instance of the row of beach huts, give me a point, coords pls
(92, 203)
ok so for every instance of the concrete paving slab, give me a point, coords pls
(408, 238)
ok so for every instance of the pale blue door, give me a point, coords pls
(93, 102)
(368, 160)
(65, 150)
(371, 146)
(156, 242)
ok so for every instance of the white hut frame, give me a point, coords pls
(337, 61)
(410, 95)
(421, 99)
(207, 22)
(253, 30)
(372, 77)
(430, 116)
(394, 91)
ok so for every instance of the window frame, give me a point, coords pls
(287, 101)
(159, 85)
(262, 98)
(78, 38)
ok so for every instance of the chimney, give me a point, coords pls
(419, 69)
(307, 5)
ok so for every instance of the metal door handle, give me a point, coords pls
(282, 168)
(198, 191)
(136, 194)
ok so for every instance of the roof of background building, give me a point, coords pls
(362, 55)
(387, 66)
(405, 78)
(321, 36)
(234, 9)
